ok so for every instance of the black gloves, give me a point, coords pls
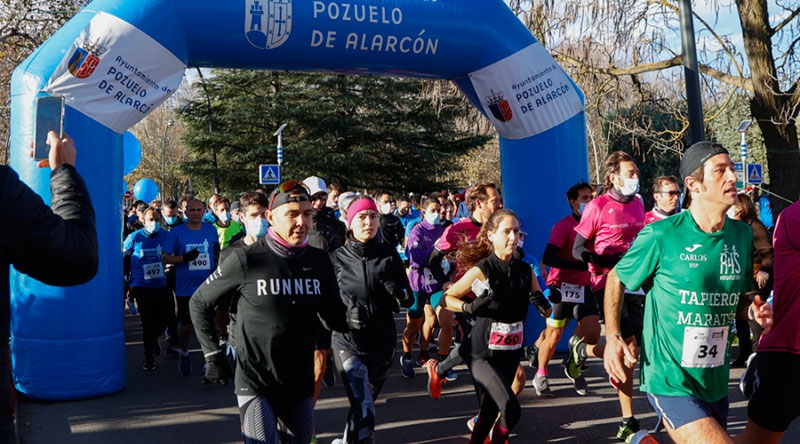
(399, 294)
(478, 307)
(540, 302)
(603, 260)
(555, 294)
(357, 316)
(191, 255)
(217, 370)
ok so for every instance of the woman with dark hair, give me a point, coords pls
(503, 287)
(744, 210)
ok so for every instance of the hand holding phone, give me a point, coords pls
(49, 117)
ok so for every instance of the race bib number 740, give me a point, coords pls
(704, 347)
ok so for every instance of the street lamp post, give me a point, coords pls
(164, 159)
(279, 133)
(742, 130)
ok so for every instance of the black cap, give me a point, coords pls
(289, 191)
(696, 155)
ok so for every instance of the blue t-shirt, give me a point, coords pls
(147, 268)
(189, 275)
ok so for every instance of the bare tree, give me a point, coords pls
(627, 53)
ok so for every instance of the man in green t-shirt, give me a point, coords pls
(698, 262)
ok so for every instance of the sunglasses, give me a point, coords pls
(671, 193)
(286, 187)
(319, 196)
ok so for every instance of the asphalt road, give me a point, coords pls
(165, 407)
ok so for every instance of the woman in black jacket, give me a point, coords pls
(373, 284)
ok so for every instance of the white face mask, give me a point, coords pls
(224, 217)
(257, 227)
(731, 212)
(629, 187)
(520, 243)
(581, 207)
(385, 208)
(432, 218)
(170, 220)
(151, 226)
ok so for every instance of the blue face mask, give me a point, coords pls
(170, 220)
(432, 218)
(581, 207)
(151, 227)
(257, 227)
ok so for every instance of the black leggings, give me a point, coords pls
(259, 420)
(495, 376)
(363, 377)
(153, 303)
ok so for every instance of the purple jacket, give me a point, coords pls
(420, 245)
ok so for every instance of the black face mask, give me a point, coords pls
(402, 212)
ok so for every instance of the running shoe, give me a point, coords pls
(533, 355)
(149, 365)
(172, 348)
(451, 375)
(541, 386)
(641, 437)
(422, 358)
(329, 378)
(184, 365)
(408, 367)
(471, 422)
(627, 429)
(748, 380)
(435, 383)
(584, 368)
(131, 306)
(580, 385)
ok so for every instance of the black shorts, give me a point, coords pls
(625, 325)
(774, 405)
(571, 310)
(183, 309)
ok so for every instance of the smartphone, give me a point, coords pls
(481, 288)
(49, 117)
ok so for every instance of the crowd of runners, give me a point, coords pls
(299, 287)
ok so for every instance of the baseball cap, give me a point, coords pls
(696, 155)
(315, 185)
(289, 191)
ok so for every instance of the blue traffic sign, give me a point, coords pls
(269, 174)
(755, 174)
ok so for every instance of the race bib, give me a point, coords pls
(203, 262)
(153, 271)
(704, 347)
(504, 336)
(572, 293)
(429, 279)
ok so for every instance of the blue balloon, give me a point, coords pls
(145, 189)
(131, 153)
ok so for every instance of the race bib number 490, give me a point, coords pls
(704, 347)
(203, 262)
(505, 336)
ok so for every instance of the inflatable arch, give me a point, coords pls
(116, 61)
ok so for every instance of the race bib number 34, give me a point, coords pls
(704, 347)
(505, 336)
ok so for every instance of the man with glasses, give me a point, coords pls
(666, 193)
(283, 283)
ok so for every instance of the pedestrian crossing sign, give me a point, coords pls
(269, 174)
(754, 174)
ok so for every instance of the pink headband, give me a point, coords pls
(359, 206)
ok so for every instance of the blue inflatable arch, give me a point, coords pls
(114, 62)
